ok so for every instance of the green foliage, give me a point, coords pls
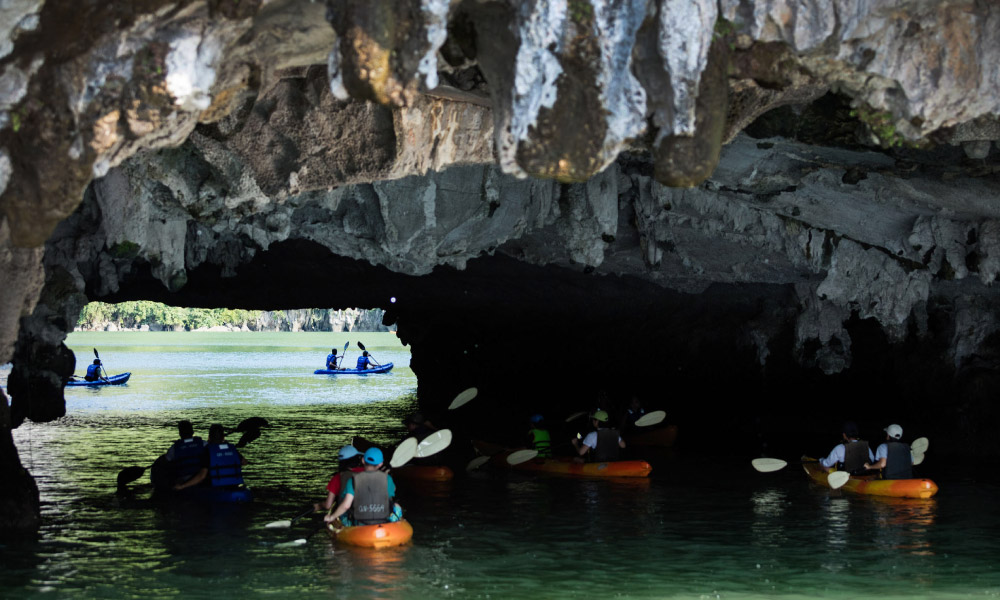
(125, 249)
(134, 314)
(581, 11)
(881, 124)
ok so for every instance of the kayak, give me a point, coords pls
(383, 535)
(113, 380)
(663, 437)
(873, 486)
(379, 369)
(423, 473)
(566, 465)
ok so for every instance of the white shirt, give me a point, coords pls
(591, 440)
(883, 452)
(837, 456)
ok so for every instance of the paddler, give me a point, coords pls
(94, 371)
(418, 426)
(893, 456)
(221, 463)
(850, 453)
(363, 361)
(348, 463)
(603, 443)
(538, 436)
(331, 360)
(184, 455)
(632, 414)
(368, 496)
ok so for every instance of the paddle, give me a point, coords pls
(372, 358)
(652, 418)
(289, 522)
(521, 456)
(342, 355)
(477, 462)
(920, 445)
(576, 416)
(98, 357)
(248, 437)
(835, 479)
(918, 457)
(434, 443)
(463, 398)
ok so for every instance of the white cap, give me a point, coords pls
(894, 431)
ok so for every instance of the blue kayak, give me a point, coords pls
(113, 380)
(380, 369)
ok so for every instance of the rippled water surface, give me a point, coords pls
(698, 528)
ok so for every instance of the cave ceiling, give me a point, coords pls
(792, 177)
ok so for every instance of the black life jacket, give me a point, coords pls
(607, 446)
(898, 462)
(187, 458)
(224, 466)
(855, 456)
(371, 504)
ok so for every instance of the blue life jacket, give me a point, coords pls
(93, 373)
(331, 361)
(187, 457)
(224, 466)
(363, 362)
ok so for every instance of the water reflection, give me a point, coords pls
(904, 524)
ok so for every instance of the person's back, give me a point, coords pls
(538, 437)
(372, 503)
(224, 461)
(856, 454)
(363, 361)
(607, 446)
(899, 462)
(94, 371)
(185, 454)
(331, 360)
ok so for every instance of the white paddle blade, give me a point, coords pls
(278, 525)
(576, 416)
(405, 451)
(918, 457)
(477, 462)
(463, 398)
(291, 544)
(434, 443)
(768, 465)
(520, 456)
(920, 445)
(837, 479)
(652, 418)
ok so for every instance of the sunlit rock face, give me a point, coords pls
(802, 190)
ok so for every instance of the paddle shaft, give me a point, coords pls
(103, 370)
(372, 358)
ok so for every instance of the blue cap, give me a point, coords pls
(373, 456)
(347, 452)
(536, 418)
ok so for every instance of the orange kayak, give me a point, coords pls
(423, 473)
(567, 466)
(383, 535)
(872, 485)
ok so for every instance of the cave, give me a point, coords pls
(763, 249)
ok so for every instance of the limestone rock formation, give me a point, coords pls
(784, 186)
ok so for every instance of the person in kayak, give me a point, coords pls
(369, 496)
(603, 443)
(893, 457)
(348, 463)
(849, 454)
(94, 371)
(538, 436)
(363, 361)
(632, 414)
(221, 463)
(331, 360)
(184, 455)
(418, 426)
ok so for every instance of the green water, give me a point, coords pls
(698, 528)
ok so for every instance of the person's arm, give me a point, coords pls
(330, 497)
(879, 464)
(202, 474)
(836, 456)
(343, 507)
